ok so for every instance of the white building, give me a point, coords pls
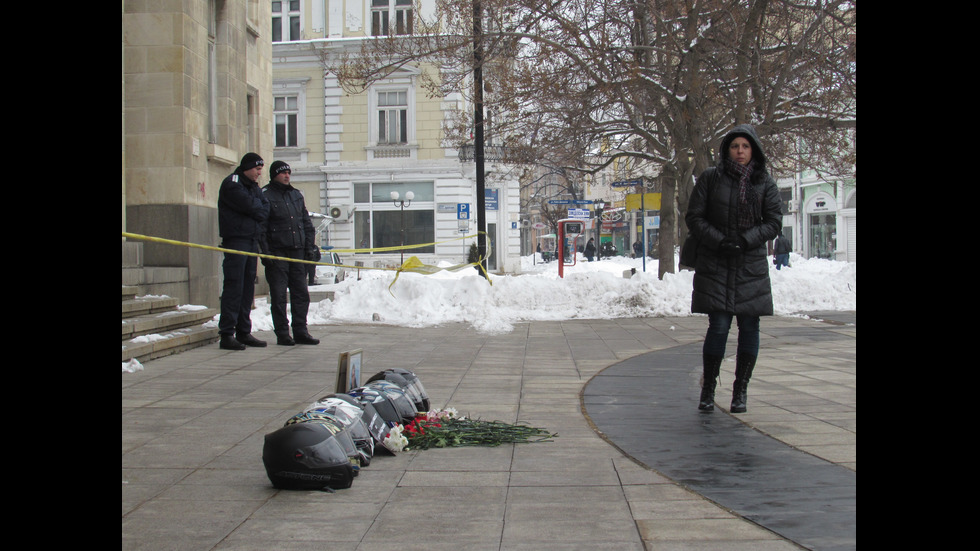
(350, 152)
(820, 217)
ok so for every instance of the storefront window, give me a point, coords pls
(823, 235)
(380, 222)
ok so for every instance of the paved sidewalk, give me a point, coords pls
(193, 426)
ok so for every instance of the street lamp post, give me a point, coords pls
(402, 204)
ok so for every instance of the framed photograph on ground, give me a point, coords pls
(349, 370)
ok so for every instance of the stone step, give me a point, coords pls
(148, 347)
(156, 326)
(165, 321)
(138, 306)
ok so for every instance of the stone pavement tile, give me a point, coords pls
(446, 502)
(468, 458)
(239, 544)
(698, 533)
(572, 516)
(575, 530)
(454, 478)
(579, 475)
(711, 534)
(202, 523)
(326, 533)
(412, 530)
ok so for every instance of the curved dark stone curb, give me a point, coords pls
(647, 407)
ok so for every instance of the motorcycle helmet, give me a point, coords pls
(409, 382)
(376, 424)
(306, 456)
(350, 414)
(403, 403)
(340, 432)
(383, 403)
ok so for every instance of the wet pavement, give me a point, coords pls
(635, 464)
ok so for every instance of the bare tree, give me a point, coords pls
(575, 84)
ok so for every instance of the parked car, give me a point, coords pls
(608, 249)
(326, 275)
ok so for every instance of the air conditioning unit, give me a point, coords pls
(341, 213)
(791, 205)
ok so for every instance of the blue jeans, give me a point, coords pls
(719, 324)
(782, 260)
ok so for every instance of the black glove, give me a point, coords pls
(730, 247)
(267, 262)
(311, 255)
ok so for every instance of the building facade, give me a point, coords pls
(820, 216)
(352, 152)
(196, 83)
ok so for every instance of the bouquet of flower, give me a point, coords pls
(446, 428)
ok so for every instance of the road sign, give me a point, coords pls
(627, 183)
(462, 211)
(560, 202)
(578, 213)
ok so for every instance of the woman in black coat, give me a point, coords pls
(734, 211)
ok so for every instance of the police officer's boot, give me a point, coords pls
(302, 336)
(229, 342)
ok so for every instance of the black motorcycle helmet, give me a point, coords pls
(409, 382)
(339, 430)
(350, 414)
(376, 424)
(306, 456)
(403, 403)
(392, 412)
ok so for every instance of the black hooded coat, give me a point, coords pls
(737, 284)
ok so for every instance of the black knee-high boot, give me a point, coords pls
(712, 365)
(744, 364)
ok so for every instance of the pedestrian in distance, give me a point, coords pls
(734, 211)
(781, 249)
(242, 212)
(590, 249)
(289, 235)
(637, 249)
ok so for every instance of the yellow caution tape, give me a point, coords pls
(413, 264)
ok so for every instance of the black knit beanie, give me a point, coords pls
(250, 161)
(278, 166)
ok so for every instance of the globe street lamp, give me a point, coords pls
(402, 204)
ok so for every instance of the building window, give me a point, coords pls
(286, 113)
(393, 117)
(383, 12)
(285, 20)
(379, 222)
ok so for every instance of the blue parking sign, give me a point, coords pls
(462, 211)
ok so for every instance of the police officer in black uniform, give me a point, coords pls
(289, 234)
(242, 212)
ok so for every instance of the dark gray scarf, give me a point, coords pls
(749, 202)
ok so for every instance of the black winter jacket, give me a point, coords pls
(782, 246)
(289, 225)
(734, 284)
(242, 209)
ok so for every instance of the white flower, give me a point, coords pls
(448, 413)
(395, 441)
